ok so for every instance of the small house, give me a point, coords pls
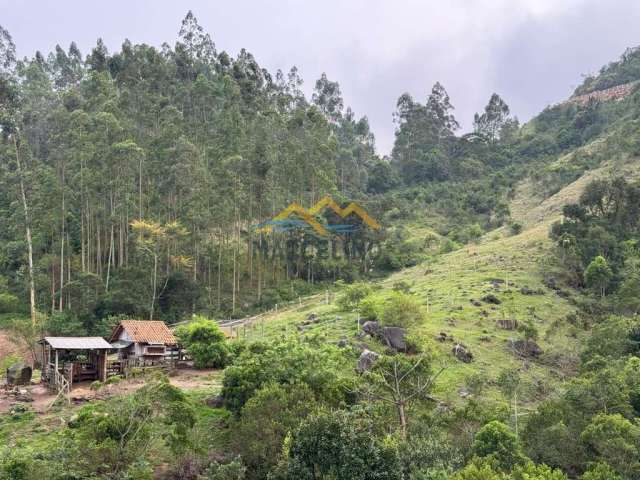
(73, 359)
(144, 342)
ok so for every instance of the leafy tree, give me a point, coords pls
(274, 411)
(531, 471)
(600, 471)
(494, 120)
(328, 98)
(598, 275)
(614, 440)
(496, 442)
(285, 362)
(339, 445)
(205, 342)
(402, 310)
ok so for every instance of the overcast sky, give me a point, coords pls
(531, 52)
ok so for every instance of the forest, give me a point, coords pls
(137, 184)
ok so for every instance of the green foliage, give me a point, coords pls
(529, 331)
(205, 342)
(598, 275)
(233, 470)
(530, 471)
(273, 411)
(600, 471)
(352, 295)
(285, 362)
(614, 440)
(371, 306)
(402, 310)
(597, 237)
(9, 303)
(339, 445)
(498, 443)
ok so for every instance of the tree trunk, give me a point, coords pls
(27, 221)
(62, 229)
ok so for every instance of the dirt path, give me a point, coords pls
(186, 379)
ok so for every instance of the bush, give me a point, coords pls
(205, 342)
(516, 228)
(340, 445)
(402, 310)
(371, 307)
(496, 442)
(352, 295)
(273, 412)
(9, 303)
(317, 366)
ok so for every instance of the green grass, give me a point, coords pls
(446, 284)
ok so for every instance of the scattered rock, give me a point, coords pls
(214, 402)
(371, 328)
(491, 298)
(529, 291)
(476, 303)
(507, 324)
(366, 360)
(485, 338)
(551, 283)
(462, 353)
(464, 393)
(443, 337)
(343, 342)
(526, 348)
(313, 318)
(19, 374)
(394, 337)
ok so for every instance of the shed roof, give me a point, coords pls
(145, 331)
(77, 343)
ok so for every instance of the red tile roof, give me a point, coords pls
(145, 331)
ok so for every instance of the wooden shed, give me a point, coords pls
(144, 342)
(73, 359)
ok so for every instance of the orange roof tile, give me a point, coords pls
(145, 331)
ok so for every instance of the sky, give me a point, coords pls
(531, 52)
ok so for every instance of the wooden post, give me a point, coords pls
(55, 376)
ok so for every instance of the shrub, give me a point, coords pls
(402, 310)
(353, 294)
(317, 366)
(371, 307)
(205, 342)
(339, 445)
(516, 228)
(9, 303)
(273, 411)
(498, 443)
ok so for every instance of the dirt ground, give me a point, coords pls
(186, 379)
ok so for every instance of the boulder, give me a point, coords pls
(462, 353)
(394, 337)
(215, 402)
(475, 303)
(313, 318)
(526, 348)
(371, 328)
(530, 291)
(491, 298)
(19, 374)
(366, 360)
(343, 342)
